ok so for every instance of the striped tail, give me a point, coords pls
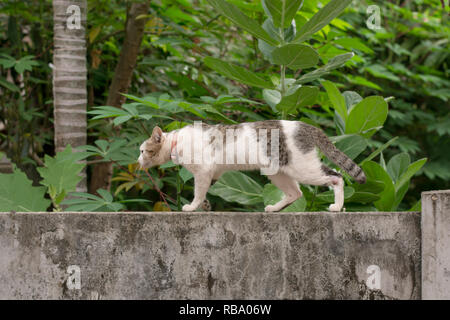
(338, 157)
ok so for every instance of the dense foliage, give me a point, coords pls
(381, 94)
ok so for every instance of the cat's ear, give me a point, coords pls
(157, 134)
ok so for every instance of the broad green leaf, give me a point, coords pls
(375, 172)
(237, 187)
(399, 195)
(353, 43)
(185, 175)
(336, 98)
(272, 97)
(367, 116)
(17, 193)
(351, 99)
(373, 186)
(267, 49)
(61, 172)
(237, 73)
(282, 12)
(321, 19)
(241, 20)
(398, 165)
(364, 197)
(351, 145)
(334, 63)
(295, 56)
(409, 173)
(328, 196)
(304, 96)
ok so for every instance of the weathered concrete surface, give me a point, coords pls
(209, 255)
(436, 244)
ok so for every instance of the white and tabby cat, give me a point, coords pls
(285, 149)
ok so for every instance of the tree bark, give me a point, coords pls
(70, 76)
(102, 172)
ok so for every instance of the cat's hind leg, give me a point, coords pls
(290, 188)
(334, 180)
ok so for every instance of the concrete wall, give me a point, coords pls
(436, 244)
(210, 255)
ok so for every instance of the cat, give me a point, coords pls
(283, 150)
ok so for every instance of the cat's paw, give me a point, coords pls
(271, 208)
(334, 208)
(188, 208)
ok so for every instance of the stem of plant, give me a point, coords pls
(283, 88)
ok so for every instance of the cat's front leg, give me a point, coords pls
(202, 182)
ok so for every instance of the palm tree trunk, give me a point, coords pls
(70, 75)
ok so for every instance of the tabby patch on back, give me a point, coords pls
(285, 151)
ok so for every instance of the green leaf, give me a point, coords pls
(105, 195)
(323, 17)
(282, 12)
(150, 102)
(375, 172)
(304, 96)
(61, 172)
(295, 56)
(185, 175)
(353, 43)
(334, 63)
(351, 99)
(88, 202)
(337, 99)
(398, 165)
(8, 85)
(18, 194)
(272, 97)
(373, 186)
(241, 20)
(237, 187)
(409, 173)
(352, 145)
(25, 64)
(266, 48)
(363, 197)
(237, 73)
(328, 196)
(367, 116)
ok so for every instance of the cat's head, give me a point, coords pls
(150, 150)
